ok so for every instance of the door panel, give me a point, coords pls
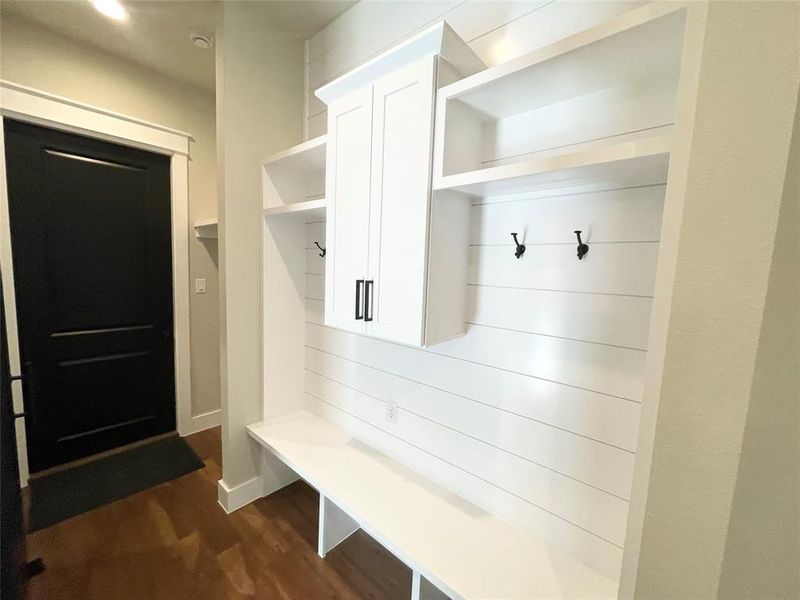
(400, 201)
(90, 232)
(347, 193)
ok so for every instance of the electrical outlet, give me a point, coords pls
(200, 286)
(391, 411)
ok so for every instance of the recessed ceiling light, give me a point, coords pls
(204, 42)
(111, 8)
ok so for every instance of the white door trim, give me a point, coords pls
(35, 106)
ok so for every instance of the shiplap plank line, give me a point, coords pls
(315, 311)
(553, 22)
(591, 509)
(315, 232)
(626, 215)
(607, 369)
(315, 287)
(614, 320)
(595, 415)
(599, 465)
(603, 369)
(627, 269)
(315, 264)
(602, 555)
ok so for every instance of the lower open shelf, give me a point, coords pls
(458, 547)
(309, 210)
(623, 164)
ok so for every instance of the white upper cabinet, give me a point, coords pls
(399, 200)
(382, 220)
(347, 186)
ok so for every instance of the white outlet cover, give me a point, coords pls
(200, 286)
(391, 411)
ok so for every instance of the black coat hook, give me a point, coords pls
(582, 248)
(520, 247)
(322, 250)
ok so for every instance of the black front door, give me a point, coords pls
(90, 236)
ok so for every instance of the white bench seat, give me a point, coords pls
(459, 548)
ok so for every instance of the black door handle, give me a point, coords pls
(359, 284)
(368, 300)
(25, 378)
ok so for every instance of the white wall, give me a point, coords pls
(259, 111)
(38, 58)
(534, 414)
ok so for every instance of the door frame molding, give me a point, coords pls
(42, 108)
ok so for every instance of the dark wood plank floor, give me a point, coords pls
(174, 541)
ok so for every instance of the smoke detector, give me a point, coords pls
(202, 41)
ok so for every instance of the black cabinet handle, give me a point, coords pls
(368, 300)
(359, 284)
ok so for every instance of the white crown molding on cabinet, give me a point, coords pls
(437, 39)
(42, 108)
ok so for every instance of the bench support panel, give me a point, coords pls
(422, 589)
(275, 474)
(335, 526)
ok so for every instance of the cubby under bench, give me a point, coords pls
(453, 548)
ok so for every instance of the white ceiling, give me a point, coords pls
(157, 33)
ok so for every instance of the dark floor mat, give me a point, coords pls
(63, 495)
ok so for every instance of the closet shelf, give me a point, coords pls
(308, 210)
(624, 164)
(206, 229)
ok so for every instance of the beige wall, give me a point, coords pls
(260, 101)
(762, 552)
(33, 56)
(721, 344)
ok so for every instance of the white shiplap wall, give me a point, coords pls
(533, 415)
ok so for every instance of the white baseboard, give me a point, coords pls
(234, 498)
(198, 423)
(274, 476)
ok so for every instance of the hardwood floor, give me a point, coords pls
(174, 541)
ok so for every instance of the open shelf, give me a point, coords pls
(206, 229)
(624, 164)
(308, 156)
(295, 175)
(605, 95)
(309, 210)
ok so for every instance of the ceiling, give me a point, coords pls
(157, 33)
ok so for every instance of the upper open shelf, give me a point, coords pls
(309, 210)
(295, 175)
(624, 164)
(605, 96)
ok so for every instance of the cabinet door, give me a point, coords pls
(347, 192)
(402, 137)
